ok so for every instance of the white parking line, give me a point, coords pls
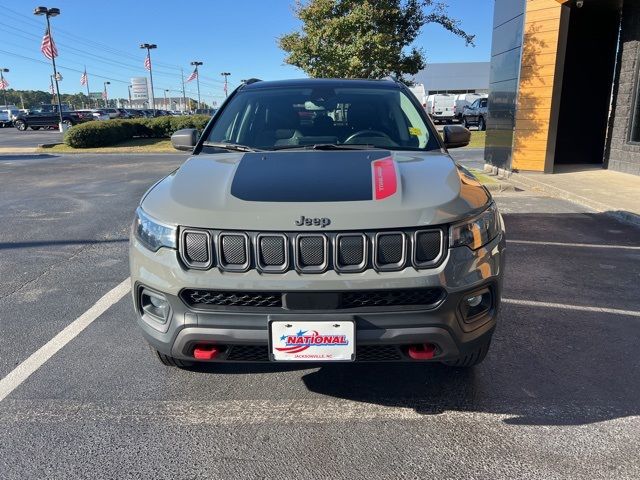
(579, 245)
(562, 306)
(19, 374)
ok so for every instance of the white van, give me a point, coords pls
(420, 93)
(441, 107)
(465, 100)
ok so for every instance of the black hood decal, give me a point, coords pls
(310, 176)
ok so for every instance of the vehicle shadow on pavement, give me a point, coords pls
(550, 364)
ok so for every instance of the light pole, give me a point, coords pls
(129, 88)
(197, 64)
(52, 12)
(149, 47)
(165, 98)
(225, 75)
(106, 94)
(4, 88)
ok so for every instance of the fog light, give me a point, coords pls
(155, 305)
(474, 301)
(476, 305)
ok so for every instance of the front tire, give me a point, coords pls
(465, 124)
(20, 125)
(172, 362)
(67, 123)
(473, 358)
(482, 126)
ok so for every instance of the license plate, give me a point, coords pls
(312, 341)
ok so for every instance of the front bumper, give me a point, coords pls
(385, 330)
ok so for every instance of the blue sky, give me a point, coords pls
(234, 36)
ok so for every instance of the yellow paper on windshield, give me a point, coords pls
(414, 131)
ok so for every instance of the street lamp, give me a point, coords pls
(149, 47)
(197, 64)
(165, 98)
(52, 12)
(4, 88)
(225, 75)
(129, 88)
(106, 95)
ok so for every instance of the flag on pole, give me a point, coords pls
(48, 47)
(83, 78)
(51, 90)
(104, 95)
(147, 62)
(225, 88)
(193, 76)
(3, 84)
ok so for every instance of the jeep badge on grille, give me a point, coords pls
(313, 222)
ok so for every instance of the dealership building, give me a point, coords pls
(564, 85)
(463, 77)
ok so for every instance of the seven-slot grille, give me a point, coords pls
(344, 252)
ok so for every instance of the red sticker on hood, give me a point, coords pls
(385, 182)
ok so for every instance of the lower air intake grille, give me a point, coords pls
(364, 353)
(203, 298)
(391, 298)
(423, 297)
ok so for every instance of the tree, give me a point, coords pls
(363, 38)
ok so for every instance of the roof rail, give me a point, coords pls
(251, 80)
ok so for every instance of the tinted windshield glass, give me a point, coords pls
(289, 117)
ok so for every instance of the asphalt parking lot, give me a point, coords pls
(557, 396)
(12, 137)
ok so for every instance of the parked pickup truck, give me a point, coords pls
(476, 114)
(45, 115)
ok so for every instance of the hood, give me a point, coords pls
(330, 190)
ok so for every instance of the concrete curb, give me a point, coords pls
(9, 150)
(528, 183)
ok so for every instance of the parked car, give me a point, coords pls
(47, 116)
(350, 239)
(96, 114)
(205, 111)
(419, 91)
(441, 107)
(476, 114)
(112, 112)
(7, 116)
(135, 113)
(464, 100)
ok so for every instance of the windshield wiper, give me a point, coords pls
(327, 146)
(234, 147)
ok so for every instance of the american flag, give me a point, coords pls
(193, 76)
(225, 88)
(3, 84)
(51, 90)
(83, 78)
(147, 62)
(48, 47)
(104, 94)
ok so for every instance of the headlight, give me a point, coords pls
(477, 231)
(153, 234)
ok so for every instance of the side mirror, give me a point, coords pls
(185, 139)
(456, 136)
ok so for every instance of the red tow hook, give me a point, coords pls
(205, 352)
(424, 351)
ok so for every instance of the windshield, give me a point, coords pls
(280, 118)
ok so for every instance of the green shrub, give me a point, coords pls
(110, 132)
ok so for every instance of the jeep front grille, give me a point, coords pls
(344, 252)
(349, 300)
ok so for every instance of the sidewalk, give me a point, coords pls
(615, 193)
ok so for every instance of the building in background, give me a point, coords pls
(469, 77)
(564, 85)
